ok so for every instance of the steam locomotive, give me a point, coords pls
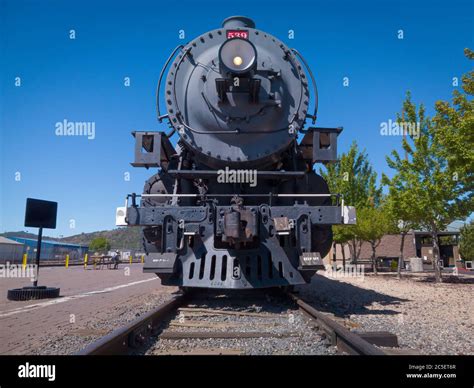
(236, 204)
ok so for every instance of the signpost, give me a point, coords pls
(39, 214)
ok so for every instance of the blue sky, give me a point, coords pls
(83, 80)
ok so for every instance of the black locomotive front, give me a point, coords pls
(236, 204)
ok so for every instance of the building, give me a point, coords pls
(10, 250)
(416, 244)
(52, 250)
(448, 243)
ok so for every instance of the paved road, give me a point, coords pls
(85, 295)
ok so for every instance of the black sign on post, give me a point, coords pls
(40, 214)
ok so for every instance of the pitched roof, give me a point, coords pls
(4, 240)
(48, 242)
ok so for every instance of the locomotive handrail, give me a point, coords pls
(226, 132)
(134, 196)
(160, 117)
(231, 195)
(313, 81)
(339, 197)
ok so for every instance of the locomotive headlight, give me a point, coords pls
(238, 55)
(237, 61)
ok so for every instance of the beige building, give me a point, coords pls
(416, 244)
(10, 251)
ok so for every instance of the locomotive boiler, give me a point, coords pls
(236, 203)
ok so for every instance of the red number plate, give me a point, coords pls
(242, 34)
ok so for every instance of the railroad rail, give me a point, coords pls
(341, 337)
(136, 334)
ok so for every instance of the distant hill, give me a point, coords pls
(24, 234)
(120, 238)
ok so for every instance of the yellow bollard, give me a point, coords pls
(143, 259)
(25, 260)
(67, 261)
(85, 260)
(131, 258)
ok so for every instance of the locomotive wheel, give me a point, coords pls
(321, 239)
(152, 239)
(157, 184)
(321, 235)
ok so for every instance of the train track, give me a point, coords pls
(134, 335)
(191, 316)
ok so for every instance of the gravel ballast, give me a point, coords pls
(287, 330)
(427, 317)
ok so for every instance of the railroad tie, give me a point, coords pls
(178, 335)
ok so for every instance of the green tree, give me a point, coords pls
(372, 224)
(398, 205)
(454, 124)
(466, 243)
(400, 213)
(427, 180)
(342, 234)
(99, 244)
(354, 178)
